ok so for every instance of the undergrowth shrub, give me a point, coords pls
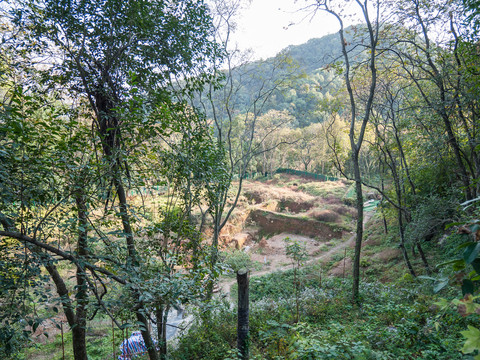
(393, 323)
(430, 217)
(211, 336)
(236, 260)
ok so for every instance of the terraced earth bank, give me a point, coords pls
(315, 213)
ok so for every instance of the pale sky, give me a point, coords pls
(264, 26)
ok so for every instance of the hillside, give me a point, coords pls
(398, 318)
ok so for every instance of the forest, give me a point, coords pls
(145, 162)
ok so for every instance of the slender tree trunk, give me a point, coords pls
(110, 134)
(77, 324)
(424, 258)
(79, 330)
(213, 255)
(297, 300)
(141, 318)
(402, 244)
(385, 226)
(359, 237)
(125, 217)
(77, 319)
(132, 260)
(452, 140)
(161, 315)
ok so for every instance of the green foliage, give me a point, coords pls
(309, 82)
(100, 344)
(211, 336)
(430, 216)
(275, 286)
(296, 251)
(472, 343)
(105, 117)
(467, 270)
(394, 323)
(236, 260)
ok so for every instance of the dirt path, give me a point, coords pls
(278, 261)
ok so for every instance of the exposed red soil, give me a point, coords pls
(272, 223)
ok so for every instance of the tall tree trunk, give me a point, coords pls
(161, 316)
(385, 226)
(356, 134)
(79, 342)
(145, 331)
(79, 330)
(217, 226)
(110, 134)
(359, 237)
(77, 319)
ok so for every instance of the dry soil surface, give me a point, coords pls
(271, 253)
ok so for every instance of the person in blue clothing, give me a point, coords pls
(133, 346)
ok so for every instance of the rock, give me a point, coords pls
(240, 239)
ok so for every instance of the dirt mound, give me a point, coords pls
(273, 209)
(294, 206)
(234, 226)
(345, 210)
(324, 215)
(254, 197)
(273, 223)
(258, 192)
(332, 200)
(240, 239)
(270, 205)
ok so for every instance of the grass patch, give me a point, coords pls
(324, 189)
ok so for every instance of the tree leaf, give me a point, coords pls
(473, 340)
(471, 252)
(440, 284)
(467, 287)
(476, 265)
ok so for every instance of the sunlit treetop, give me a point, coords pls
(102, 44)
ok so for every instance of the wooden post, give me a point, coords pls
(242, 320)
(63, 345)
(344, 257)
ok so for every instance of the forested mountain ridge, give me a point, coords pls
(310, 79)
